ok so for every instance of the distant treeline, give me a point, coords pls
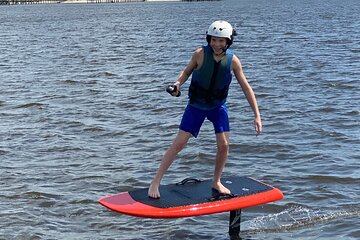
(14, 2)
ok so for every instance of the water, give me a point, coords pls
(84, 114)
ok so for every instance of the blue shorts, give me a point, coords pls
(193, 119)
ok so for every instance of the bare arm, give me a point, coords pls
(248, 91)
(185, 74)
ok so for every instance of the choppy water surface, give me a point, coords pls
(84, 114)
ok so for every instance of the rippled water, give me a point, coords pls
(84, 114)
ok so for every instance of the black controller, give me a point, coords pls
(171, 89)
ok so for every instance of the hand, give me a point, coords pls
(258, 125)
(173, 90)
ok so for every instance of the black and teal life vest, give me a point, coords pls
(210, 83)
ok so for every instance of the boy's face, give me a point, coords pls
(218, 44)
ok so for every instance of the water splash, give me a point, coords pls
(295, 217)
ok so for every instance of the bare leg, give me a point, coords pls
(178, 144)
(222, 142)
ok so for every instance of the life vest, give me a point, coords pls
(210, 83)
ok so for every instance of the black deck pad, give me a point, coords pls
(194, 192)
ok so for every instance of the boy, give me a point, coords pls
(211, 68)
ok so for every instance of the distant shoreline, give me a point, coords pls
(21, 2)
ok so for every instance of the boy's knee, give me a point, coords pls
(223, 147)
(179, 145)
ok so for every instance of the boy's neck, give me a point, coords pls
(218, 57)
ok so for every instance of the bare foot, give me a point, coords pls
(220, 188)
(154, 191)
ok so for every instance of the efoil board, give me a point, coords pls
(193, 198)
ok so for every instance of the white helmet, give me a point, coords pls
(221, 29)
